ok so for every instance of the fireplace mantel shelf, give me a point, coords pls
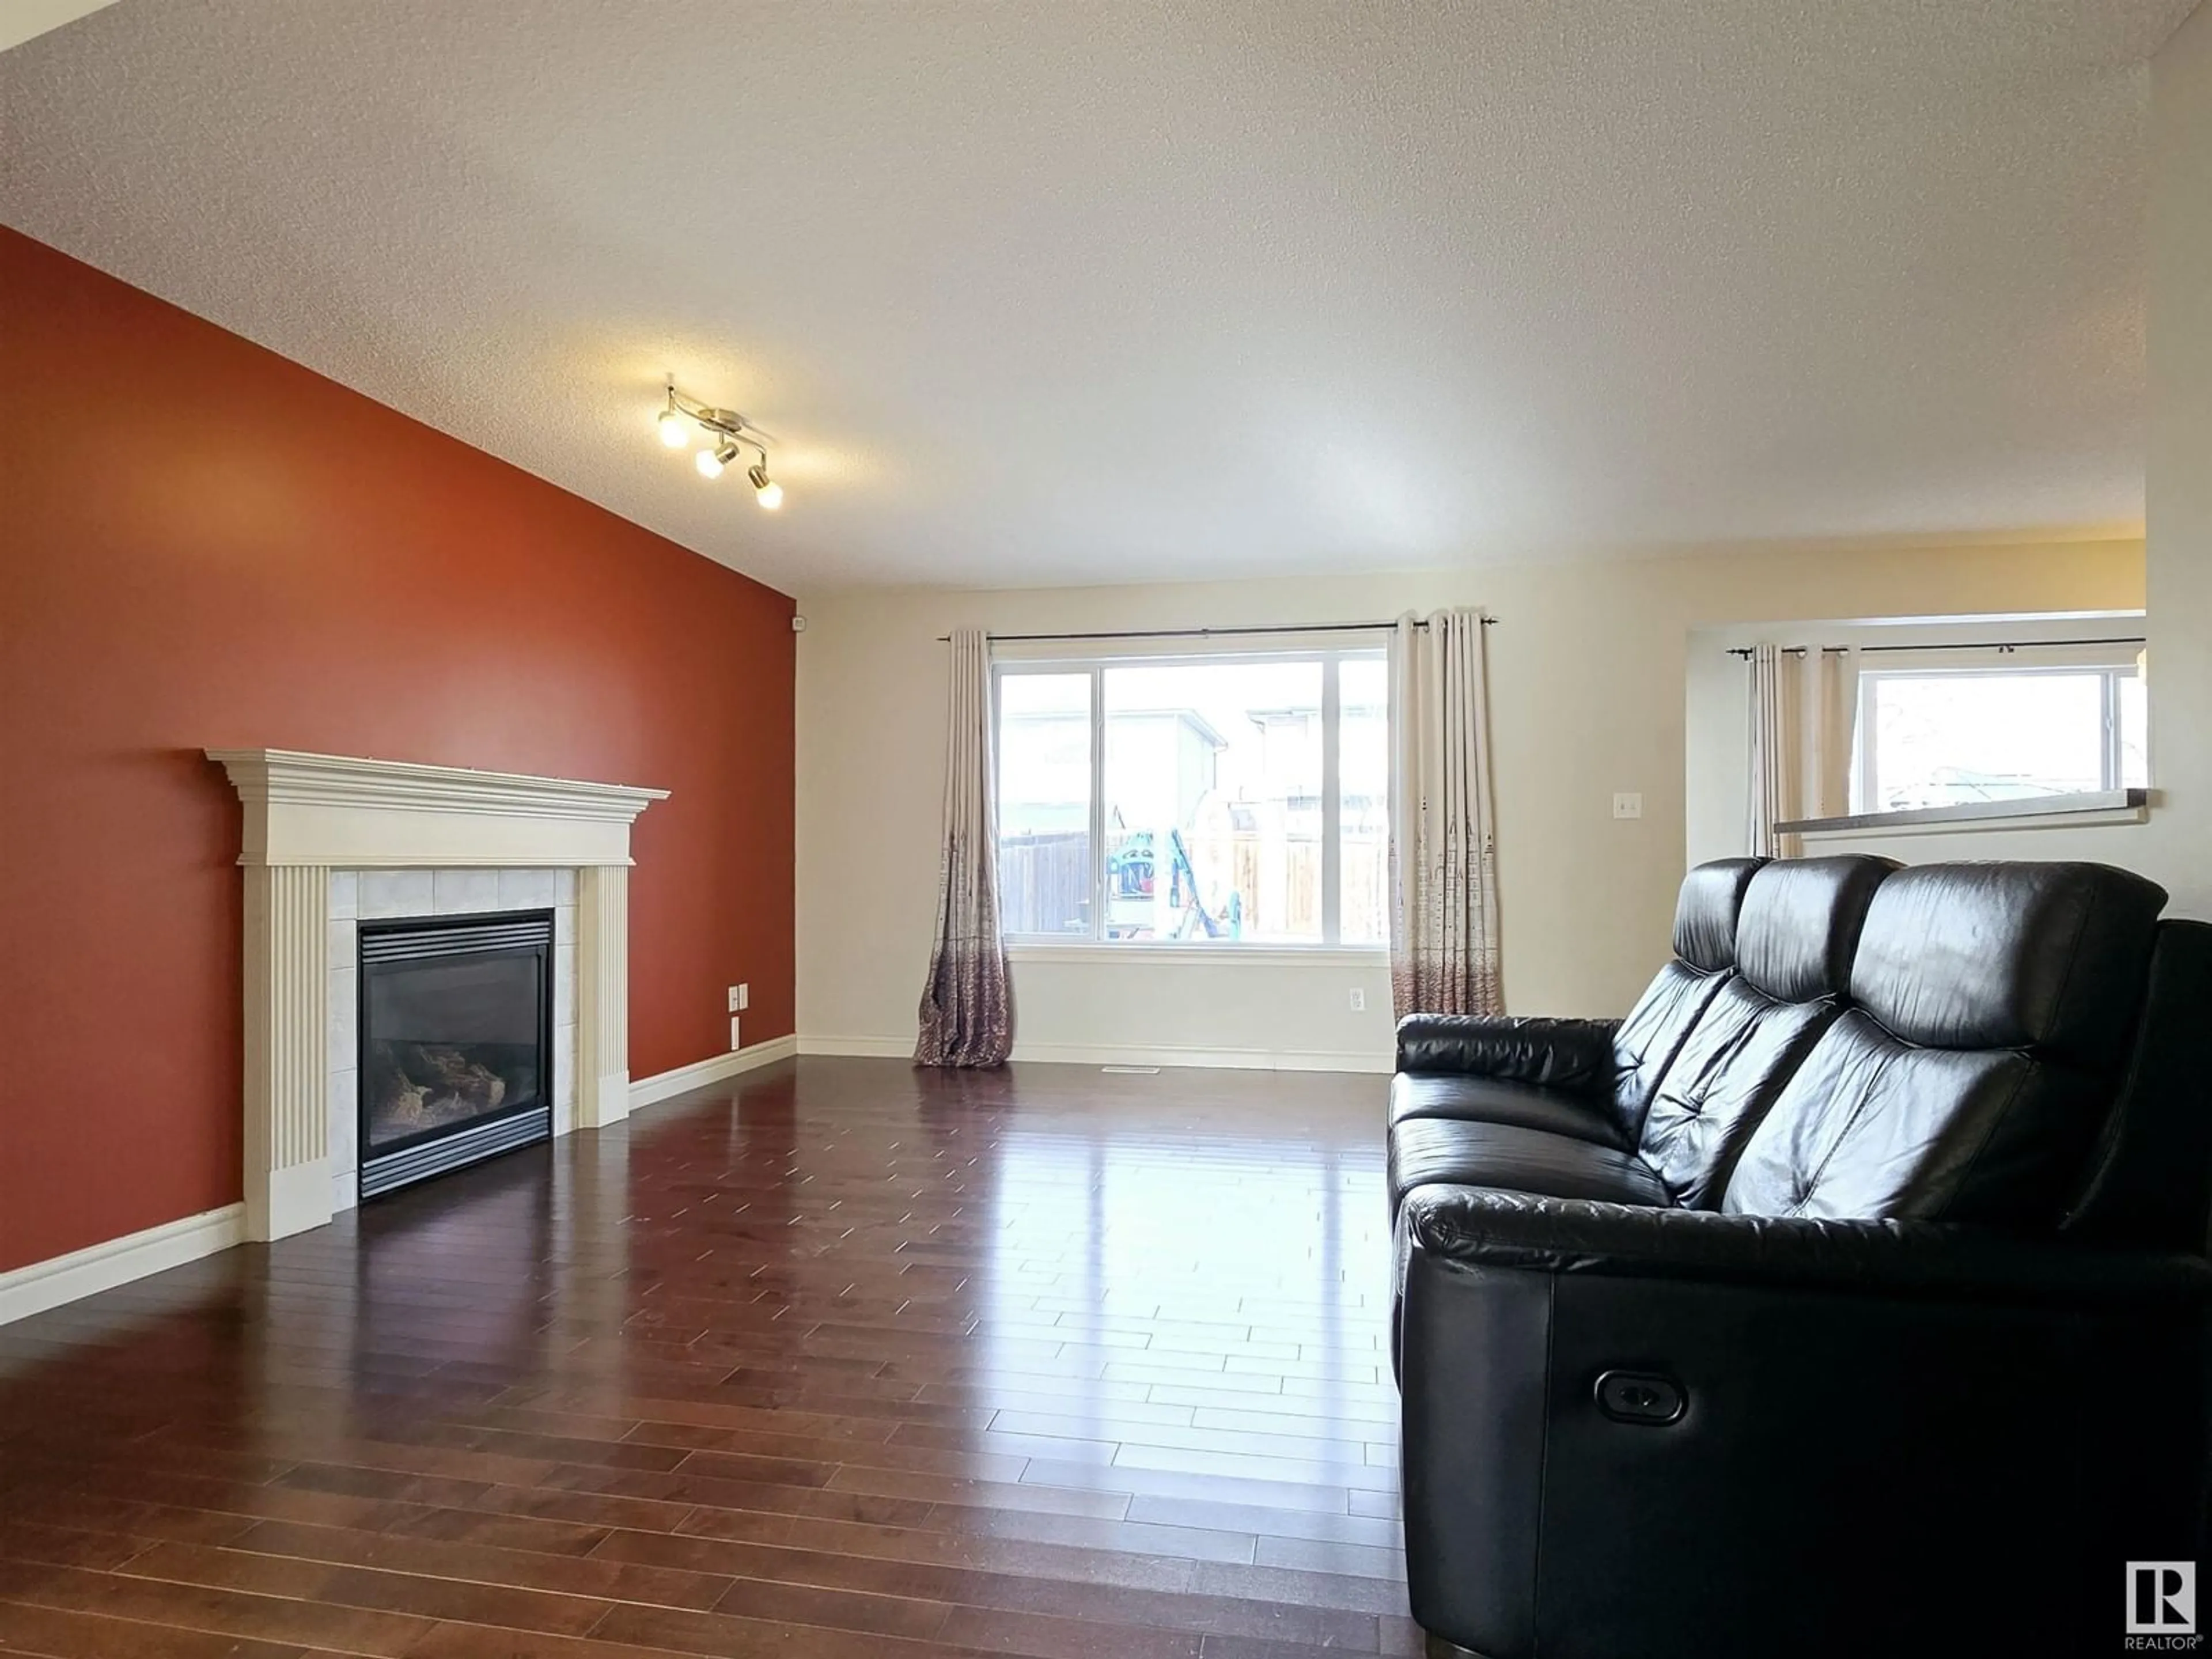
(345, 811)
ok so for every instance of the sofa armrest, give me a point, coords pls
(1479, 1227)
(1575, 1054)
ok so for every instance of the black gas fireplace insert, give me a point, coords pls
(456, 1031)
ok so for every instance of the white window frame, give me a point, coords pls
(1331, 658)
(1970, 664)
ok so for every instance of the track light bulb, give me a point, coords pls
(675, 427)
(711, 462)
(769, 493)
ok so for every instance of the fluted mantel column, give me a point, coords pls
(602, 996)
(288, 1023)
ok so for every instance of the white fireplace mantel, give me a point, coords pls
(341, 812)
(308, 814)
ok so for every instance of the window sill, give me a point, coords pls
(2037, 813)
(1202, 955)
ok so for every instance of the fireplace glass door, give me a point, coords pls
(456, 1049)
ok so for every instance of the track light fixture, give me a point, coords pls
(729, 435)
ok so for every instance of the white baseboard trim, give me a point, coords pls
(715, 1068)
(857, 1048)
(1233, 1059)
(49, 1284)
(1074, 1054)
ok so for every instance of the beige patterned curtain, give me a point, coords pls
(1777, 753)
(1835, 732)
(968, 1006)
(1444, 854)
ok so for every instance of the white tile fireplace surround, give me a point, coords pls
(331, 839)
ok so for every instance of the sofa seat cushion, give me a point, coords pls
(1490, 1100)
(1514, 1159)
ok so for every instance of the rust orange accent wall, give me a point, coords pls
(204, 545)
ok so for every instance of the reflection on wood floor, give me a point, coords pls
(841, 1358)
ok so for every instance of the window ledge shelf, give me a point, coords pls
(1202, 955)
(2037, 813)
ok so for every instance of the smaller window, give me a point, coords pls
(1953, 737)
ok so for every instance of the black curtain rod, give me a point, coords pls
(1977, 645)
(1201, 633)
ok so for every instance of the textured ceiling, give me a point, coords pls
(1040, 291)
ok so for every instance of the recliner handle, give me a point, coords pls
(1645, 1399)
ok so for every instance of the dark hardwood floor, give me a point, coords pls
(839, 1359)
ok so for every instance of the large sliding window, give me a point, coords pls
(1208, 800)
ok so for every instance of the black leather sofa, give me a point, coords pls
(1848, 1297)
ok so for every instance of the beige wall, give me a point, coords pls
(2179, 471)
(1587, 674)
(1588, 683)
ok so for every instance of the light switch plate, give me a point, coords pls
(1627, 806)
(736, 999)
(745, 998)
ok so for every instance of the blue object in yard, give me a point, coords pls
(1132, 873)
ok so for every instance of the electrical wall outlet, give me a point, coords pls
(1628, 804)
(1358, 999)
(735, 1042)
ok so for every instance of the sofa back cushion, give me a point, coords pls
(1798, 935)
(1795, 939)
(1996, 1005)
(1705, 913)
